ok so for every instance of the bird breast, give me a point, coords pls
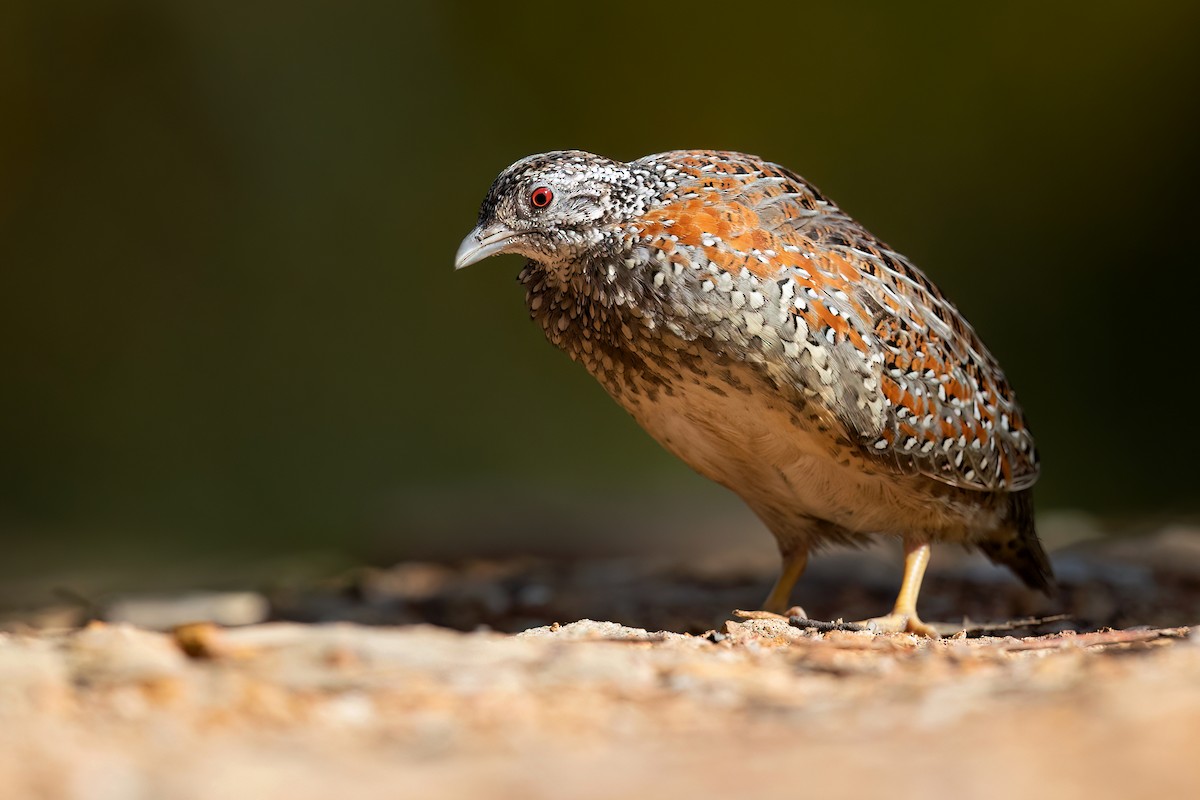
(703, 373)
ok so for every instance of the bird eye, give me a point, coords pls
(541, 197)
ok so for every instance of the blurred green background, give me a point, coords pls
(228, 317)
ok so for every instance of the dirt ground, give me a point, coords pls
(474, 680)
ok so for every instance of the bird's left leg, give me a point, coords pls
(903, 618)
(795, 559)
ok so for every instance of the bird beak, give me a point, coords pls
(481, 243)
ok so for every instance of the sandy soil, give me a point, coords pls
(757, 708)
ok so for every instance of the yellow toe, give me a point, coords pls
(900, 623)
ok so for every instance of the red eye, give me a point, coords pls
(541, 197)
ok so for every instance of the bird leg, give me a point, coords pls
(903, 618)
(794, 562)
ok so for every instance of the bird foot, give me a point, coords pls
(899, 623)
(794, 611)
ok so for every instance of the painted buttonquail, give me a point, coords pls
(770, 341)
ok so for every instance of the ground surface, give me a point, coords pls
(348, 689)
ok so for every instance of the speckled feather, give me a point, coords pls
(776, 346)
(932, 397)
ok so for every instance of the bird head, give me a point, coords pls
(555, 208)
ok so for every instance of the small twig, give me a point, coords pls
(1012, 624)
(1100, 639)
(821, 626)
(797, 621)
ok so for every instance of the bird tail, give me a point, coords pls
(1017, 547)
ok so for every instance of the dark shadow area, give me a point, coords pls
(1118, 582)
(1153, 581)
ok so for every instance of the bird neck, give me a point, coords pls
(600, 296)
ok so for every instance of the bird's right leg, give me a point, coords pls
(903, 618)
(795, 559)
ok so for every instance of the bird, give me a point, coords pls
(773, 344)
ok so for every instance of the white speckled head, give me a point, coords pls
(554, 206)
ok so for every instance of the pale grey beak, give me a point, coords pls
(479, 244)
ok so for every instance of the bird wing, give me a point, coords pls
(859, 327)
